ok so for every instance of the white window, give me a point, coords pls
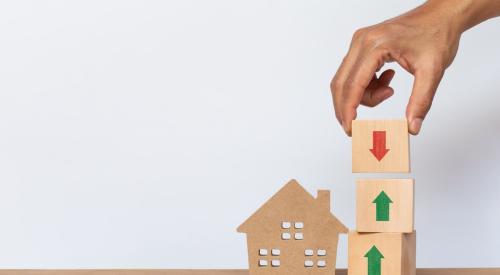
(263, 262)
(308, 263)
(299, 225)
(299, 236)
(309, 252)
(286, 225)
(321, 252)
(321, 263)
(286, 236)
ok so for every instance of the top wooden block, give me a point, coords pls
(380, 146)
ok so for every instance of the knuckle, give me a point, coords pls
(372, 38)
(335, 86)
(377, 37)
(358, 34)
(439, 66)
(434, 65)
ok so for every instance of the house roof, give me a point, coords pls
(292, 198)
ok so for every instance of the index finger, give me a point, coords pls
(338, 81)
(359, 77)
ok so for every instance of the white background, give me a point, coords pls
(142, 133)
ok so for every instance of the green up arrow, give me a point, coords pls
(374, 261)
(382, 202)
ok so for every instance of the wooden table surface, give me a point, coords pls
(421, 271)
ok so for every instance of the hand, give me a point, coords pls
(423, 41)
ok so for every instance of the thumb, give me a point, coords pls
(424, 89)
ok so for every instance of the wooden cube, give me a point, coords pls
(380, 146)
(385, 205)
(382, 253)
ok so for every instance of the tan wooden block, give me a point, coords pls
(382, 253)
(380, 146)
(385, 205)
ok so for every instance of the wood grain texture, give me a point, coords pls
(309, 226)
(396, 160)
(421, 271)
(400, 210)
(398, 250)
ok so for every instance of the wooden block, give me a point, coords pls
(380, 146)
(382, 253)
(384, 205)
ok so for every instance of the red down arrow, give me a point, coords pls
(379, 150)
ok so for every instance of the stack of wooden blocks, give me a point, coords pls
(384, 242)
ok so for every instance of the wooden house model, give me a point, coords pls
(293, 233)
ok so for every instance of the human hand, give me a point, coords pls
(423, 41)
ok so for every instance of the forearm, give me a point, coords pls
(466, 14)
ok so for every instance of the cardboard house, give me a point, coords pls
(293, 233)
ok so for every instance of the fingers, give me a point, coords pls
(338, 81)
(358, 81)
(424, 89)
(386, 77)
(378, 90)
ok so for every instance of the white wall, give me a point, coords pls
(141, 133)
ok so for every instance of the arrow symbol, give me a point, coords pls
(382, 202)
(379, 150)
(374, 261)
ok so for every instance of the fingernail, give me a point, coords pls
(344, 126)
(416, 125)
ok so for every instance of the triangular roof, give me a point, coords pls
(292, 197)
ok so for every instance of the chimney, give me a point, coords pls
(323, 199)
